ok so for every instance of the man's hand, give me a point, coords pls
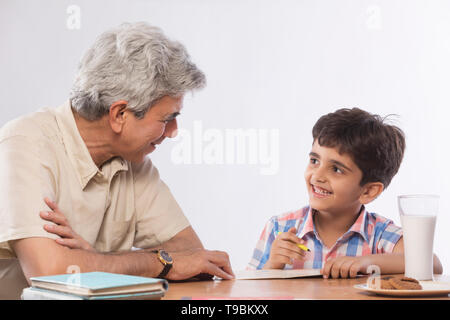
(190, 263)
(190, 259)
(346, 267)
(284, 250)
(62, 228)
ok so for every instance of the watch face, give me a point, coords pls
(165, 256)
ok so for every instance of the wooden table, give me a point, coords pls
(304, 288)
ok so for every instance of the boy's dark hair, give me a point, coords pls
(376, 147)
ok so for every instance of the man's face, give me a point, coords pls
(332, 180)
(141, 136)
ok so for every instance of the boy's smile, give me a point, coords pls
(319, 192)
(333, 181)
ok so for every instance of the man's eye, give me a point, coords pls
(313, 161)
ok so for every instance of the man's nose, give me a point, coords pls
(171, 129)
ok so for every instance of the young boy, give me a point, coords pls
(353, 158)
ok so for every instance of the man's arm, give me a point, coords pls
(186, 239)
(43, 256)
(190, 258)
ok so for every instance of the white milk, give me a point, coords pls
(418, 236)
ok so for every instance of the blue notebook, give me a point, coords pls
(99, 283)
(44, 294)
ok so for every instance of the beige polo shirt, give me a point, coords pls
(116, 207)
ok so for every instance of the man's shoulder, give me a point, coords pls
(144, 168)
(34, 126)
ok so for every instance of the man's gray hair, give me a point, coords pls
(137, 63)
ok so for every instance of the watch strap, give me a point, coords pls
(165, 271)
(167, 266)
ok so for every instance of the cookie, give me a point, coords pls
(409, 279)
(383, 284)
(409, 284)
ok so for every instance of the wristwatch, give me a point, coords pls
(166, 260)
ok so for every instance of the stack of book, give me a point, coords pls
(94, 286)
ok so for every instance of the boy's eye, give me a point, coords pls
(313, 160)
(337, 170)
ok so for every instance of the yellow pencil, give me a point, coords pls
(301, 246)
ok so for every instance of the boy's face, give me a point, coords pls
(332, 180)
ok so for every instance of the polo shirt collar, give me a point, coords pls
(359, 227)
(308, 224)
(76, 149)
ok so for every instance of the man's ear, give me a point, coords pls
(117, 115)
(370, 192)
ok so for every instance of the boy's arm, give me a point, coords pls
(389, 263)
(399, 249)
(350, 266)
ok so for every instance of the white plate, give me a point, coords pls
(429, 288)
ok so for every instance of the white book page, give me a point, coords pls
(276, 274)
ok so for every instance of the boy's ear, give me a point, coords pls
(370, 192)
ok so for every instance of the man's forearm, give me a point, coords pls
(140, 263)
(184, 240)
(41, 256)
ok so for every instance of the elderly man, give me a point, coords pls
(84, 167)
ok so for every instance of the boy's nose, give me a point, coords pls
(318, 180)
(318, 176)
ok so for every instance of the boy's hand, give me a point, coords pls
(346, 267)
(284, 250)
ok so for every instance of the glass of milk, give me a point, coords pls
(418, 216)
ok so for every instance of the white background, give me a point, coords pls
(269, 65)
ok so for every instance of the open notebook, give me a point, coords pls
(276, 274)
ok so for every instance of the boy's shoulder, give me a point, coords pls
(375, 218)
(379, 227)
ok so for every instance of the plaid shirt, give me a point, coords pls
(370, 234)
